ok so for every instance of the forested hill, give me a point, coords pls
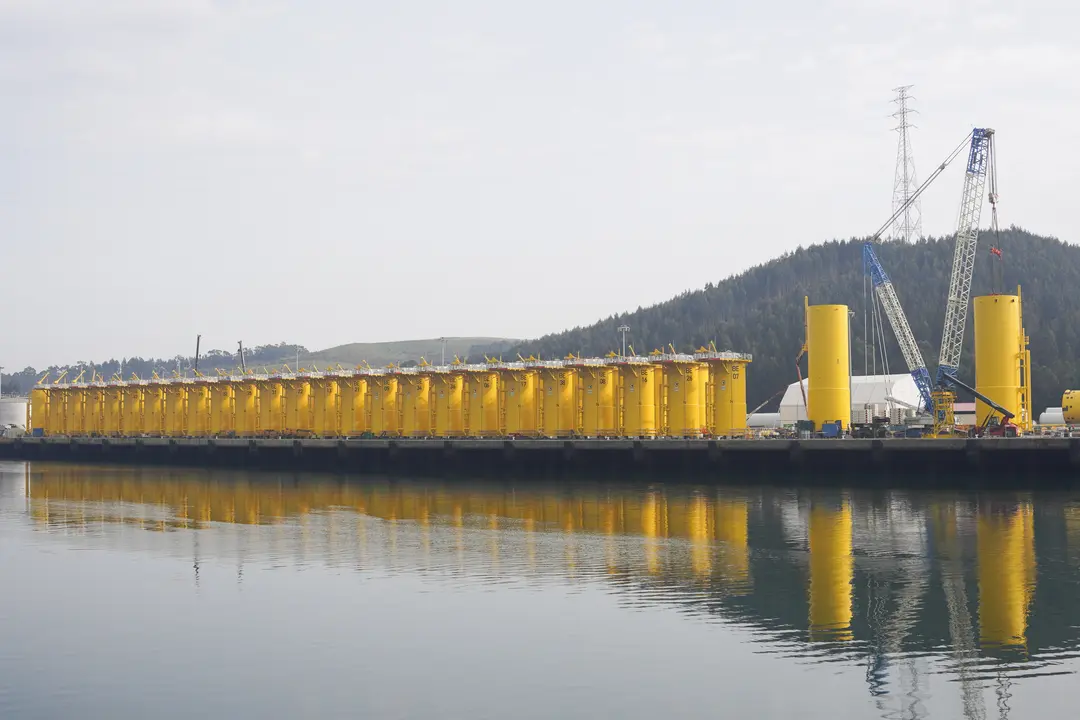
(760, 310)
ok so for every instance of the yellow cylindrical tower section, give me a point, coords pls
(222, 408)
(1001, 358)
(682, 398)
(271, 407)
(638, 387)
(447, 395)
(95, 411)
(1070, 407)
(831, 570)
(112, 410)
(246, 396)
(597, 387)
(176, 395)
(76, 424)
(153, 415)
(131, 409)
(521, 390)
(383, 405)
(57, 415)
(297, 406)
(1006, 567)
(482, 417)
(557, 405)
(726, 408)
(39, 411)
(324, 403)
(415, 394)
(829, 392)
(354, 406)
(197, 416)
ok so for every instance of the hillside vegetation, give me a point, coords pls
(760, 311)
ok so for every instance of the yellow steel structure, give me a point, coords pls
(1070, 407)
(197, 417)
(297, 407)
(176, 399)
(682, 395)
(829, 383)
(76, 424)
(638, 394)
(325, 395)
(831, 571)
(382, 405)
(38, 409)
(558, 407)
(482, 403)
(111, 412)
(725, 404)
(271, 406)
(1006, 568)
(1002, 358)
(447, 407)
(153, 411)
(597, 390)
(520, 393)
(415, 394)
(94, 424)
(56, 416)
(354, 406)
(222, 408)
(246, 404)
(131, 410)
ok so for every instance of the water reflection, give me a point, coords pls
(905, 584)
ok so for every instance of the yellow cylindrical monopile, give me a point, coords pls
(831, 570)
(197, 418)
(245, 399)
(131, 410)
(520, 393)
(325, 398)
(829, 392)
(999, 355)
(297, 406)
(354, 406)
(95, 411)
(447, 398)
(39, 410)
(222, 408)
(727, 380)
(683, 398)
(382, 404)
(271, 406)
(153, 415)
(76, 422)
(638, 387)
(598, 407)
(112, 411)
(482, 403)
(415, 392)
(1006, 542)
(558, 404)
(176, 409)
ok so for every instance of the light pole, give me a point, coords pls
(624, 329)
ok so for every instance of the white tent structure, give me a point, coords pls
(865, 390)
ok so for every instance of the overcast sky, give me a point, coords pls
(332, 172)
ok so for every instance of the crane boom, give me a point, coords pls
(886, 295)
(980, 160)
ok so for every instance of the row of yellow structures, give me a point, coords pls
(662, 395)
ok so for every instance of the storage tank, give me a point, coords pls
(415, 391)
(682, 396)
(831, 568)
(297, 406)
(197, 420)
(726, 393)
(324, 407)
(597, 385)
(558, 405)
(482, 418)
(354, 406)
(176, 396)
(246, 396)
(447, 396)
(222, 408)
(1052, 416)
(153, 415)
(383, 405)
(271, 404)
(1002, 360)
(829, 385)
(520, 388)
(1006, 560)
(639, 384)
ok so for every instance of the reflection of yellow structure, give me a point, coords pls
(1006, 575)
(831, 569)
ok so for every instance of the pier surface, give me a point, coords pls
(1042, 460)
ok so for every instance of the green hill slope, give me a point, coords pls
(760, 310)
(406, 351)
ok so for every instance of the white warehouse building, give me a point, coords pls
(865, 390)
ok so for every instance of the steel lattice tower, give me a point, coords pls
(908, 226)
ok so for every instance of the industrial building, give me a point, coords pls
(702, 394)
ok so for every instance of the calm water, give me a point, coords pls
(132, 593)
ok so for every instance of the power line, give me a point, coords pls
(908, 226)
